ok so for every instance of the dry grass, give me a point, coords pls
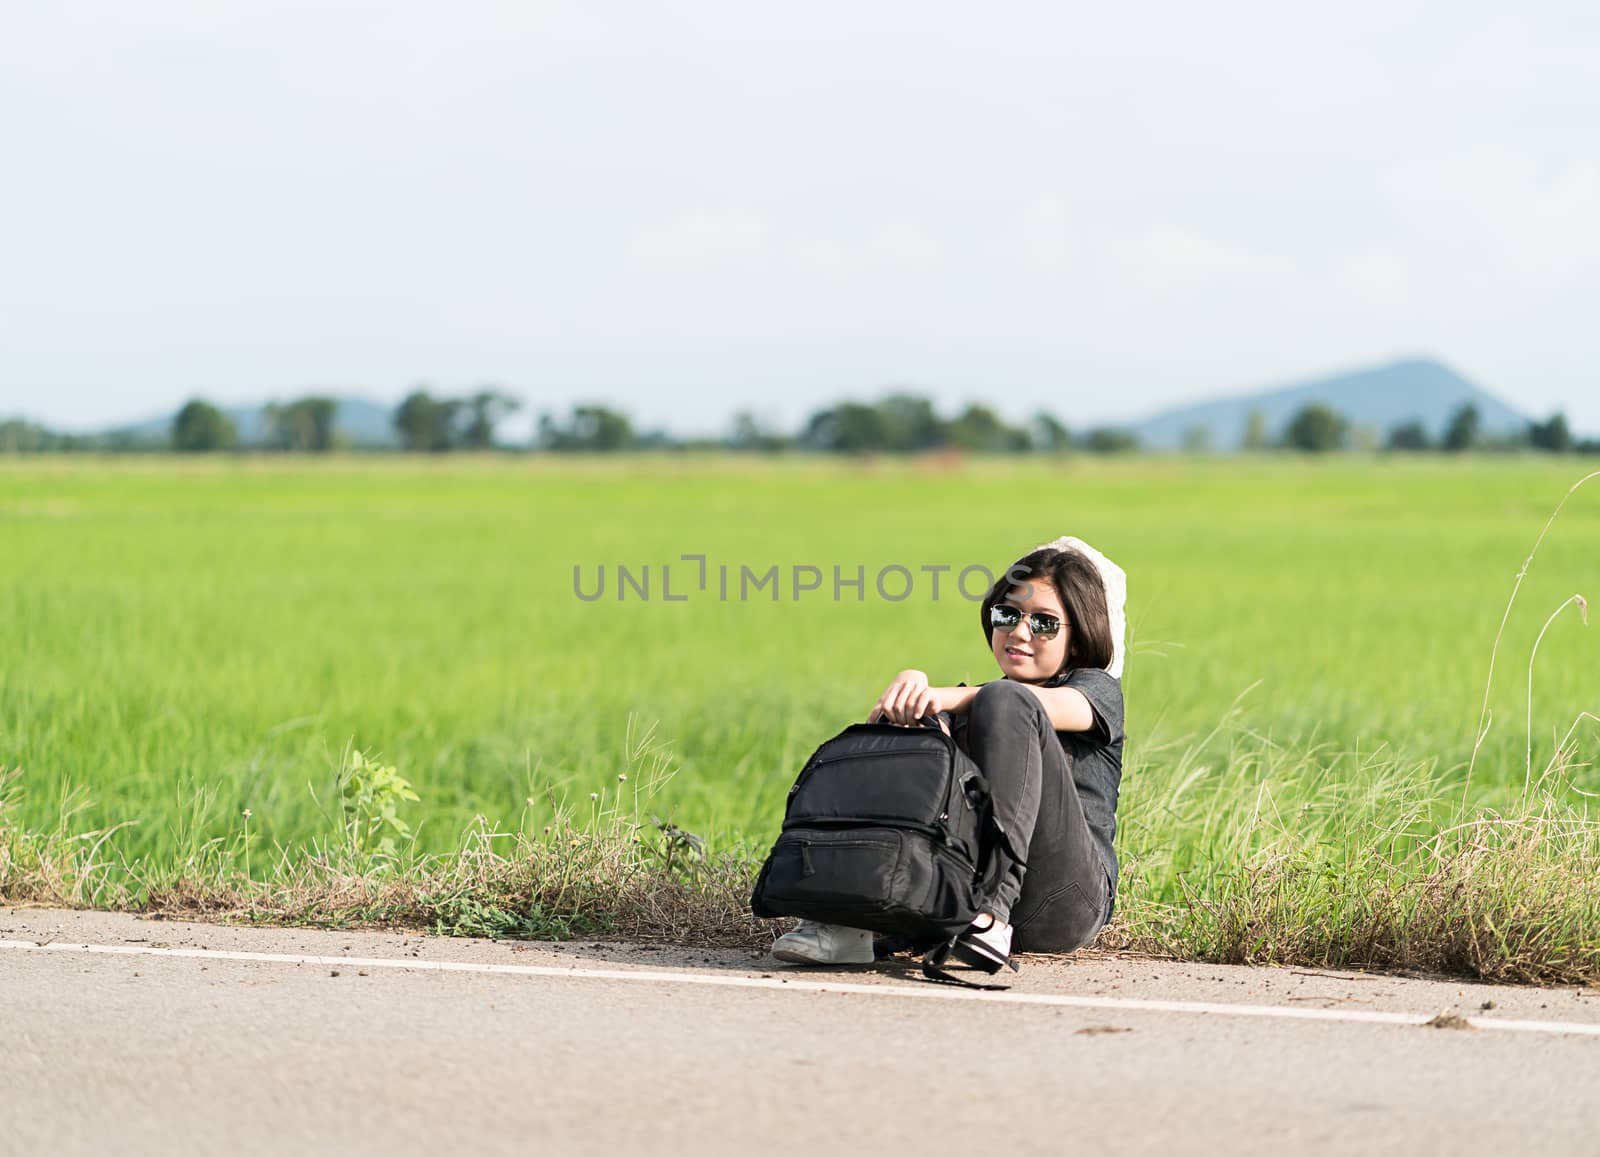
(1512, 899)
(1509, 898)
(611, 882)
(534, 891)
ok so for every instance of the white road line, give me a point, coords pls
(930, 992)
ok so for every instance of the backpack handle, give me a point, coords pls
(921, 721)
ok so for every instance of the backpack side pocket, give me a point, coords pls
(835, 876)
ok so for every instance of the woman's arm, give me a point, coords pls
(909, 697)
(1067, 707)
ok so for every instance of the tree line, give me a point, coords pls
(897, 423)
(424, 423)
(1316, 428)
(308, 425)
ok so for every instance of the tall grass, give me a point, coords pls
(186, 644)
(1257, 852)
(610, 867)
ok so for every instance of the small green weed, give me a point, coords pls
(370, 794)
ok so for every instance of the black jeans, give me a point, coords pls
(1059, 901)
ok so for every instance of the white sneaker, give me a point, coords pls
(815, 943)
(988, 948)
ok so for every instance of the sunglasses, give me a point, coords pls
(1005, 617)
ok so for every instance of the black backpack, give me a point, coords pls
(887, 828)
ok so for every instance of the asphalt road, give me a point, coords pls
(391, 1044)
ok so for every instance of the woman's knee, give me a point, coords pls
(1069, 918)
(1004, 697)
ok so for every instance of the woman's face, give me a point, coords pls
(1023, 656)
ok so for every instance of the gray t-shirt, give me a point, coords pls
(1096, 757)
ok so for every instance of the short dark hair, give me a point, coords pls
(1083, 597)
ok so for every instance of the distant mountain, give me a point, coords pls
(361, 422)
(1378, 398)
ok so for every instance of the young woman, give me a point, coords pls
(1048, 734)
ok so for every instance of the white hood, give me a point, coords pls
(1116, 584)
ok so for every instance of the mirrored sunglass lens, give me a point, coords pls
(1007, 617)
(1045, 626)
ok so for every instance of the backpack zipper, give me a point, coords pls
(939, 829)
(945, 847)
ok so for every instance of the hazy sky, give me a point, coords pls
(685, 209)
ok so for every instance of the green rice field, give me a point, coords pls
(181, 641)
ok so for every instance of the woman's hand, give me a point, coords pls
(906, 699)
